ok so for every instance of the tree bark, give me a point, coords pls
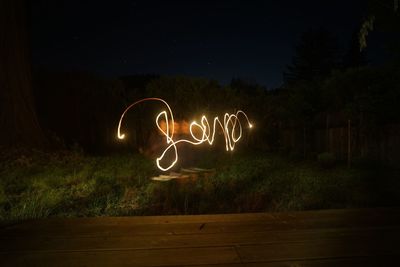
(349, 143)
(328, 143)
(304, 140)
(19, 125)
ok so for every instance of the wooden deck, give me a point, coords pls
(369, 237)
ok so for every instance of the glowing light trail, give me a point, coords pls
(231, 128)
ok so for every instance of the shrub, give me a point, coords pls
(326, 160)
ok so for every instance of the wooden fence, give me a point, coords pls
(379, 144)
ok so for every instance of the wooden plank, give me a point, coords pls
(242, 217)
(285, 255)
(64, 229)
(333, 262)
(318, 249)
(346, 262)
(195, 240)
(152, 257)
(164, 219)
(75, 227)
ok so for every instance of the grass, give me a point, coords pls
(69, 184)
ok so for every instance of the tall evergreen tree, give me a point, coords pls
(316, 56)
(383, 15)
(354, 56)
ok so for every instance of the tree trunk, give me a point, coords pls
(18, 121)
(328, 143)
(349, 143)
(304, 141)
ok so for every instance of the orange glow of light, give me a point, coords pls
(200, 132)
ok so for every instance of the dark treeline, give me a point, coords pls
(301, 119)
(84, 109)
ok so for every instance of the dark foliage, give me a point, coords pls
(315, 57)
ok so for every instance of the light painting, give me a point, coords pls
(200, 131)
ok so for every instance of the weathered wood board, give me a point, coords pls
(363, 237)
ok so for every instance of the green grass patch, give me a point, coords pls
(69, 184)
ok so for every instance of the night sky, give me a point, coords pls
(252, 40)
